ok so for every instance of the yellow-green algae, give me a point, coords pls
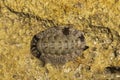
(16, 32)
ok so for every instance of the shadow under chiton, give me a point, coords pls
(58, 45)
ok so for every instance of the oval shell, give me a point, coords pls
(58, 45)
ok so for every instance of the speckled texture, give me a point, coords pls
(98, 19)
(58, 45)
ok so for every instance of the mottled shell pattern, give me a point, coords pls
(58, 45)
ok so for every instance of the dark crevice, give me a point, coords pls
(45, 22)
(113, 69)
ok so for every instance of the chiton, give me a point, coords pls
(58, 45)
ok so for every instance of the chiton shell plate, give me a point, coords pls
(58, 45)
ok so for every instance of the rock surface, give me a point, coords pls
(98, 19)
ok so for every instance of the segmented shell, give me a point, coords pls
(58, 45)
